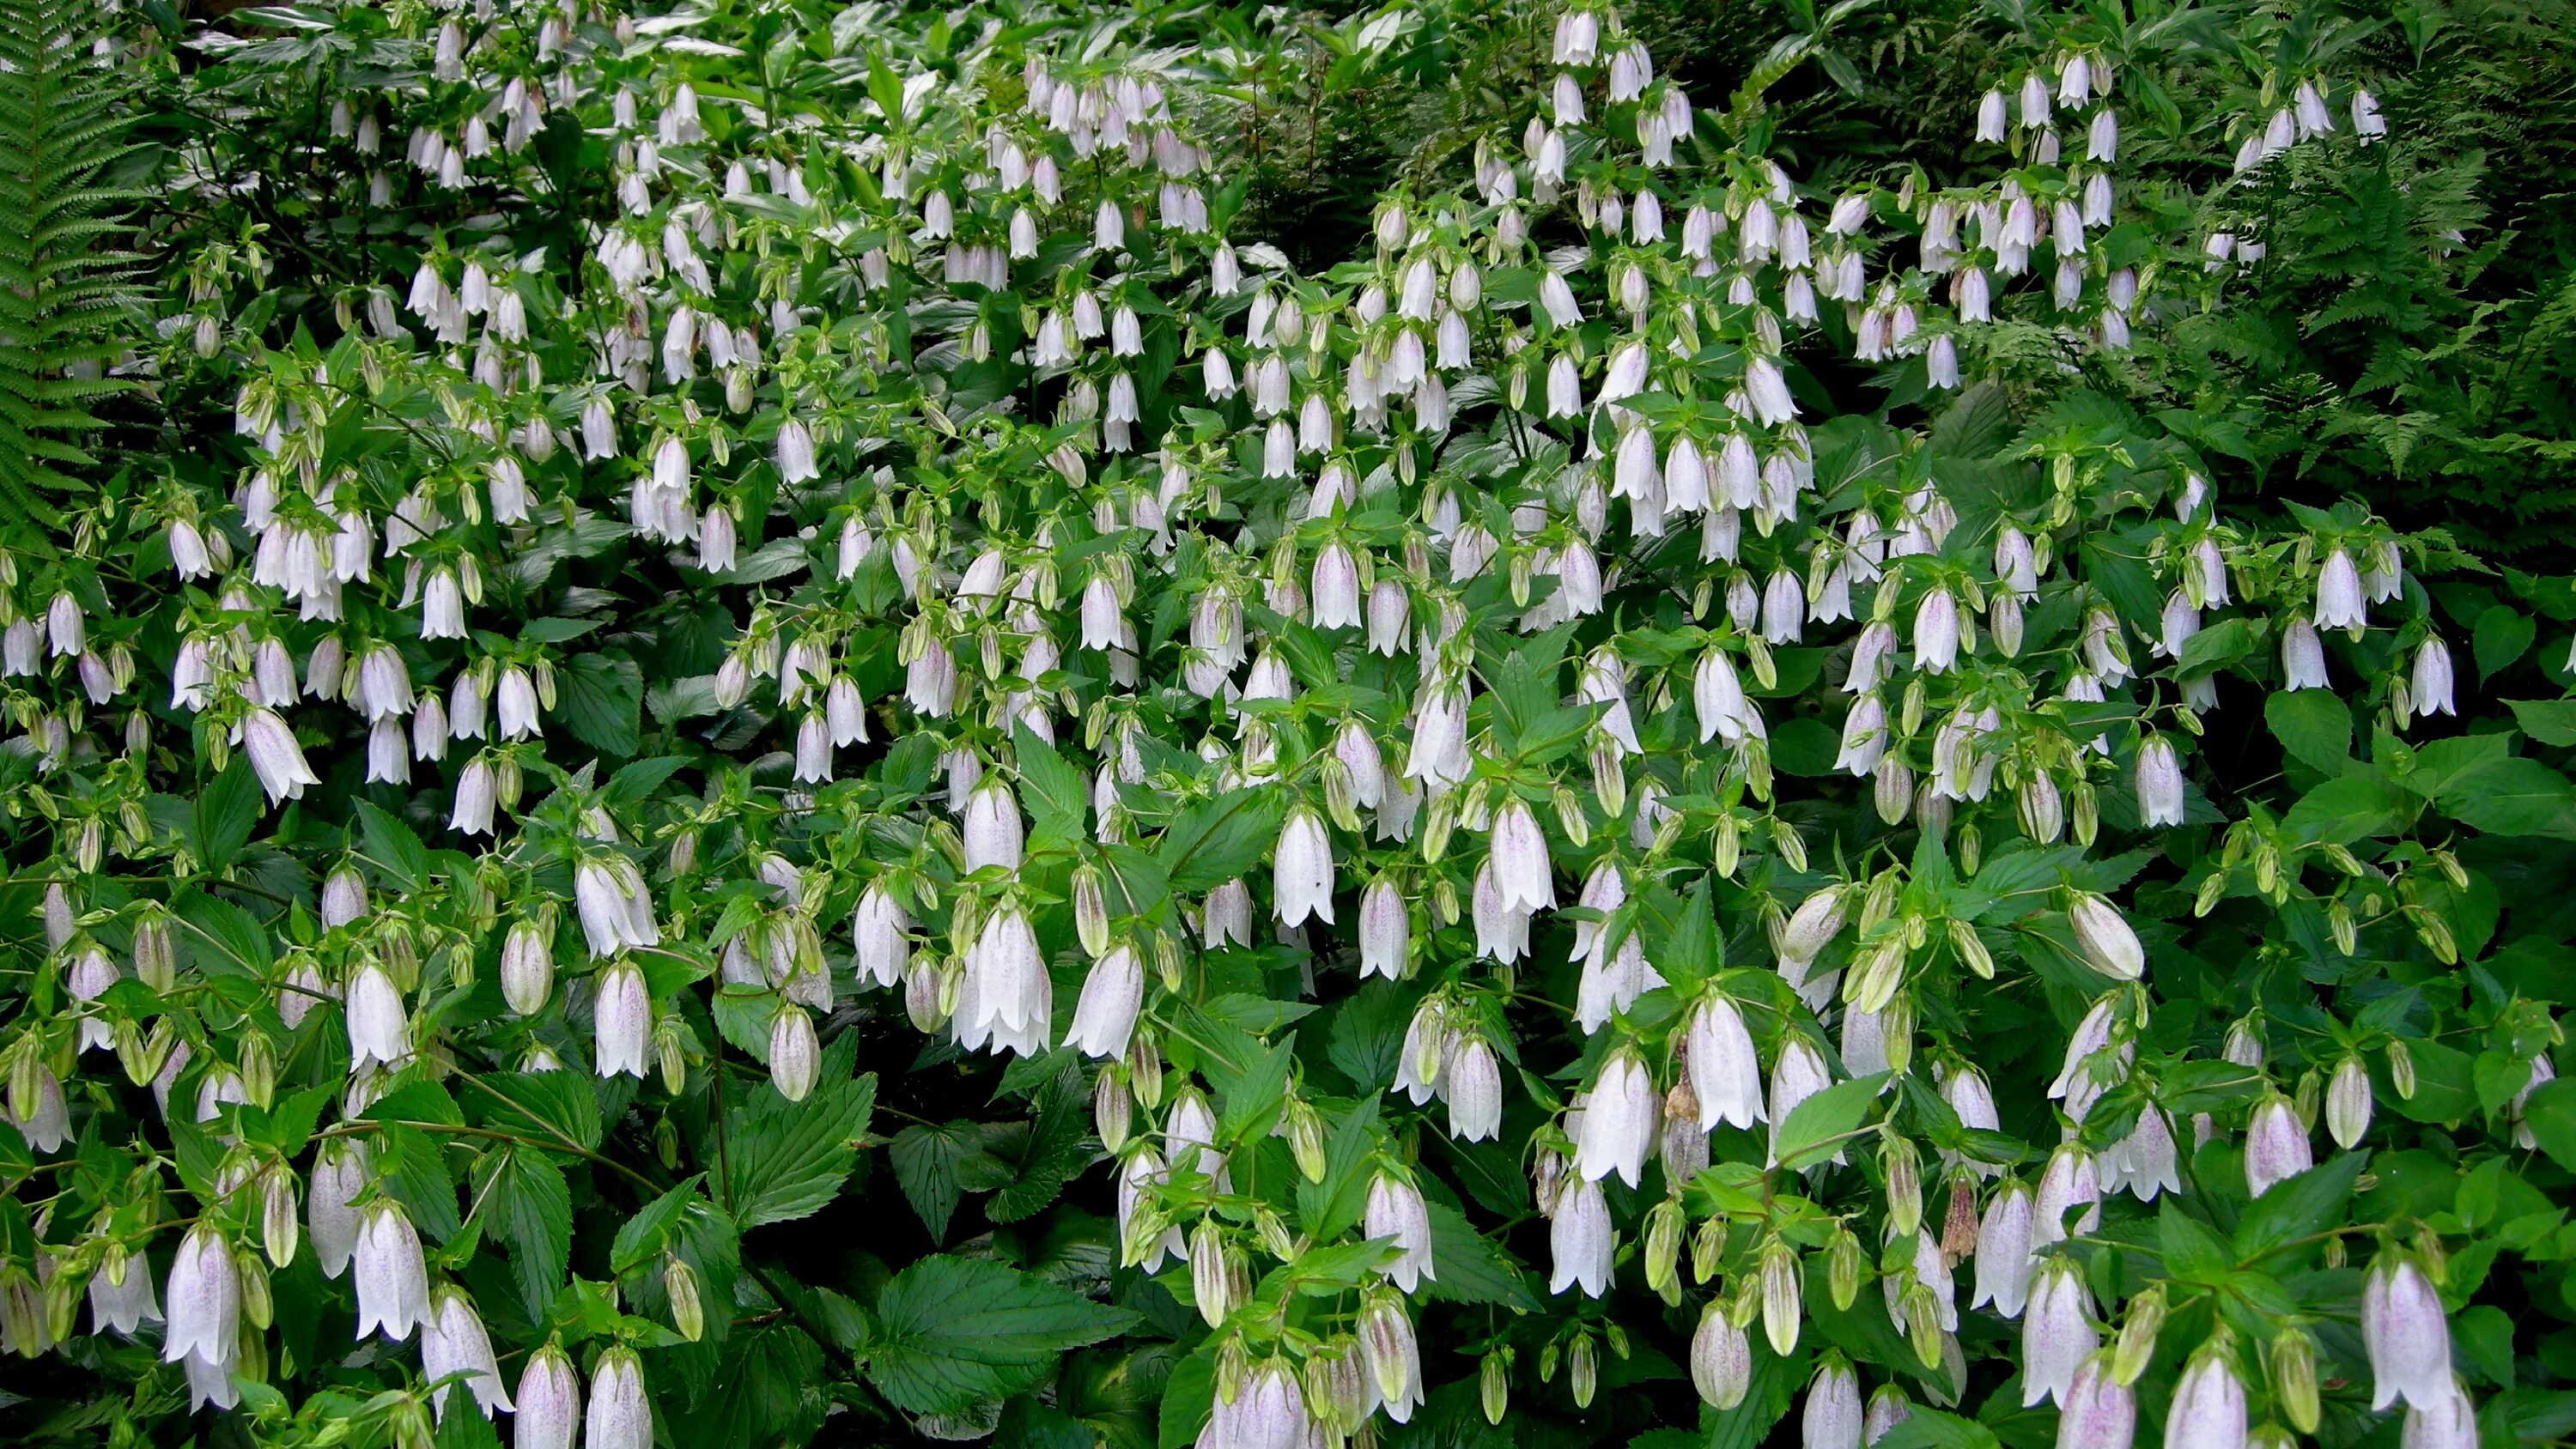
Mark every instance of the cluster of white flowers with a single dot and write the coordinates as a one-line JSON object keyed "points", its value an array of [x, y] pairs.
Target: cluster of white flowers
{"points": [[1569, 377]]}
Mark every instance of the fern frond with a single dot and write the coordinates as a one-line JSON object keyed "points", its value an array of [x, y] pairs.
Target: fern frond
{"points": [[68, 295]]}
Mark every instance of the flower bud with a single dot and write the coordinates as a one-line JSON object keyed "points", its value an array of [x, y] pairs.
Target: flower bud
{"points": [[2294, 1378], [527, 969], [1780, 1306], [2137, 1341], [1090, 909], [1843, 1267], [1903, 1170], [2348, 1103], [2109, 946], [1112, 1111], [280, 1229], [1494, 1384], [1664, 1250], [680, 1282], [1305, 1133], [1721, 1361], [1210, 1285]]}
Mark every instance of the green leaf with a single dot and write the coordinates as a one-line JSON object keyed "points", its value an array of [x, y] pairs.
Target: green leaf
{"points": [[1815, 1127], [2502, 634], [2344, 810], [926, 1159], [953, 1332], [1054, 792], [1188, 1396], [422, 1101], [2550, 721], [526, 1204], [600, 699], [1367, 1034], [2513, 796], [1059, 1147], [555, 1106], [1924, 1428], [390, 846], [1254, 1098], [785, 1160], [1471, 1267], [2192, 1252], [2313, 725], [2297, 1207], [2550, 1113], [2217, 646], [227, 810], [222, 937], [769, 1389], [1215, 841]]}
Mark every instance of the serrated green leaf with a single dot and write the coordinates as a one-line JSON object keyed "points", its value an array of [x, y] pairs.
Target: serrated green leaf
{"points": [[952, 1332], [525, 1203], [785, 1160]]}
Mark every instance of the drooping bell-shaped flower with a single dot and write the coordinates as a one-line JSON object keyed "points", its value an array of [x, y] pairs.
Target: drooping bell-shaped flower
{"points": [[2160, 785], [992, 827], [1385, 927], [1798, 1073], [1395, 1210], [2057, 1335], [127, 1306], [379, 1028], [1618, 1125], [204, 1300], [2208, 1409], [1393, 1356], [275, 756], [392, 1281], [340, 1173], [1580, 1239], [1472, 1081], [2276, 1145], [2450, 1423], [1520, 859], [1726, 1075], [2097, 1411], [2407, 1334], [453, 1341], [2004, 1240], [1832, 1418], [1112, 995], [621, 1020], [2071, 1180], [2430, 681], [1303, 870], [619, 1417], [2340, 604], [549, 1402]]}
